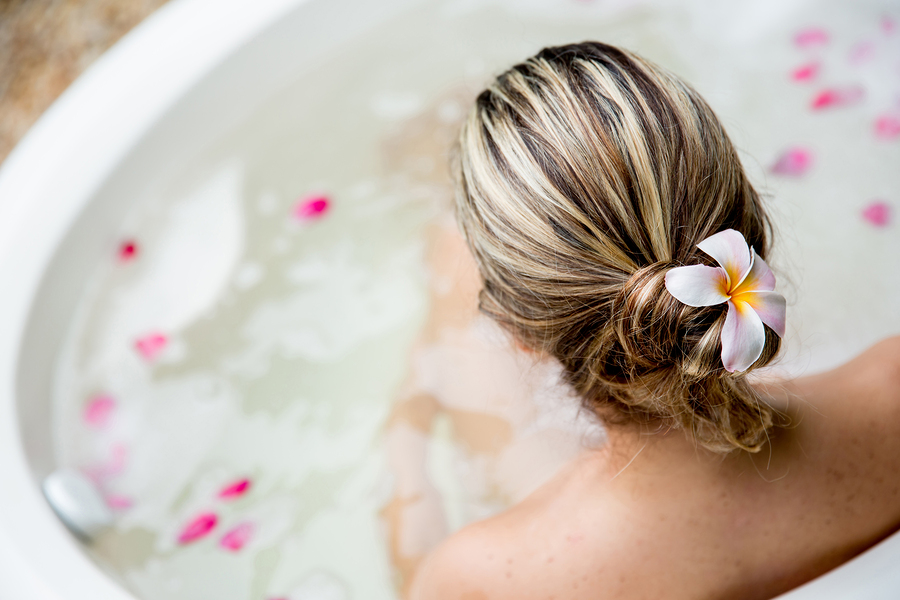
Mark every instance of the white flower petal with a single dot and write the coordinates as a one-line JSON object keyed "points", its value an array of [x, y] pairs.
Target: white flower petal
{"points": [[698, 285], [759, 279], [731, 251], [770, 306], [743, 337]]}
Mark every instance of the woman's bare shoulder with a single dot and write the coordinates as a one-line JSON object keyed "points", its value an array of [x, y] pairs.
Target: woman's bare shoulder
{"points": [[852, 420], [863, 391], [461, 568], [506, 556]]}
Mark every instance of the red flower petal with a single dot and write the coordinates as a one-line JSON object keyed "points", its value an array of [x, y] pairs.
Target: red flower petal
{"points": [[835, 97], [813, 36], [805, 72], [311, 208], [151, 345], [793, 162], [862, 52], [877, 213], [119, 502], [235, 490], [887, 127], [99, 410], [237, 537], [128, 250], [200, 527]]}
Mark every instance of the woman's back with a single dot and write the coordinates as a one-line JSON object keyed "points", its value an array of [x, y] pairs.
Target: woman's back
{"points": [[663, 519]]}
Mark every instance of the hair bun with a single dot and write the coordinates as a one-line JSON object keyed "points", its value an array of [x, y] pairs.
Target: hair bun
{"points": [[647, 325], [673, 353]]}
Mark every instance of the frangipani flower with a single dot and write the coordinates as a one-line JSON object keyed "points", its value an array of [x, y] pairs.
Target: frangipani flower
{"points": [[746, 283]]}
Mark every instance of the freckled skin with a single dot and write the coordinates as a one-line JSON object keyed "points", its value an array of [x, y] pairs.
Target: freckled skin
{"points": [[742, 527]]}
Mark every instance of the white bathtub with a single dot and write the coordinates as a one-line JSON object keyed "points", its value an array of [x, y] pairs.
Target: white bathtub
{"points": [[153, 100]]}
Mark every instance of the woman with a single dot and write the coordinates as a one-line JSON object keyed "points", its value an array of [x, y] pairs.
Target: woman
{"points": [[616, 232]]}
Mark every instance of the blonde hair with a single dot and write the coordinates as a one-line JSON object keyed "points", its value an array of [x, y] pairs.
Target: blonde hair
{"points": [[583, 174]]}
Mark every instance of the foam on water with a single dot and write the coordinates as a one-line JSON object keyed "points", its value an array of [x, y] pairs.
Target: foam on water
{"points": [[331, 355]]}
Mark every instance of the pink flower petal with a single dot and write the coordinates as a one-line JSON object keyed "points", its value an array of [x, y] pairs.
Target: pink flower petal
{"points": [[743, 337], [128, 250], [811, 37], [759, 279], [119, 459], [887, 127], [312, 208], [151, 345], [888, 25], [793, 162], [237, 537], [698, 285], [805, 72], [837, 97], [235, 490], [198, 528], [99, 410], [862, 52], [731, 251], [877, 213], [116, 464], [117, 502]]}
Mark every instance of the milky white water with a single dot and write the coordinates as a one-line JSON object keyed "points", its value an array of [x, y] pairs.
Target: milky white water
{"points": [[330, 368]]}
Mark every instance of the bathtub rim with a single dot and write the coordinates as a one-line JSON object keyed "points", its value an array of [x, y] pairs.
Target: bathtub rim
{"points": [[81, 139]]}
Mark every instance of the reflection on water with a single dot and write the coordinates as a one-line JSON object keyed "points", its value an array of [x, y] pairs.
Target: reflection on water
{"points": [[280, 380]]}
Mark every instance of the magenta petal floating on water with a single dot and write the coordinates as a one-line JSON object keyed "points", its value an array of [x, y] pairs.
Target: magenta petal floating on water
{"points": [[116, 464], [128, 250], [119, 459], [117, 502], [312, 207], [99, 410], [237, 537], [794, 162], [151, 345], [835, 97], [805, 72], [200, 527], [235, 490], [887, 127], [813, 36], [861, 52], [877, 213]]}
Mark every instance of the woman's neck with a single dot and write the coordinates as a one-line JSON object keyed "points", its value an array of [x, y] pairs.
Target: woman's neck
{"points": [[636, 453]]}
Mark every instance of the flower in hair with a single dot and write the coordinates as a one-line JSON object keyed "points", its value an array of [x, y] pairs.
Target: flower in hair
{"points": [[746, 283]]}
